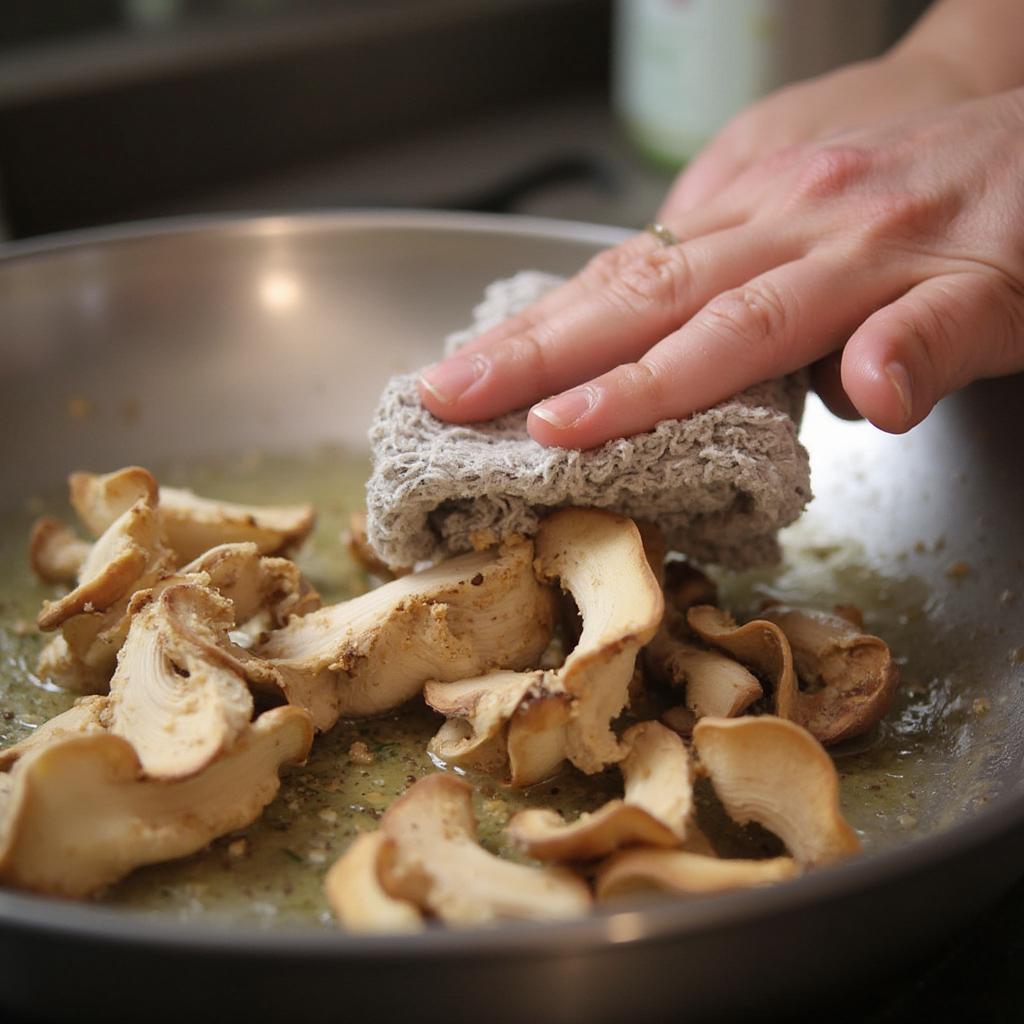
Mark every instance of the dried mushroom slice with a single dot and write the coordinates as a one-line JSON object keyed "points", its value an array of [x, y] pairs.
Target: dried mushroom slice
{"points": [[84, 716], [78, 816], [852, 675], [760, 644], [682, 873], [355, 894], [599, 558], [270, 590], [93, 618], [100, 498], [458, 619], [654, 810], [477, 711], [130, 549], [194, 524], [55, 552], [774, 772], [178, 695], [715, 684], [439, 866]]}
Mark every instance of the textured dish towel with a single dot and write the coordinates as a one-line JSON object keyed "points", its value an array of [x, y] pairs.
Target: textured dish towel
{"points": [[720, 483]]}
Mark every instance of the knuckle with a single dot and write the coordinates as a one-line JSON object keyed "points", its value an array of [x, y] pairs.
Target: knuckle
{"points": [[602, 269], [830, 171], [638, 380], [752, 316], [655, 278], [529, 350]]}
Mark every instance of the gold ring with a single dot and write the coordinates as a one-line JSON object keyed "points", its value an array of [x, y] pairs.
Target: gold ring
{"points": [[661, 233]]}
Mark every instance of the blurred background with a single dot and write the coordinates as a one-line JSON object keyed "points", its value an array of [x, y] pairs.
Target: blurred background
{"points": [[114, 110]]}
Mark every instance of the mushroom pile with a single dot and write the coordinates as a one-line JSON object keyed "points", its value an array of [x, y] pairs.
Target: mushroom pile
{"points": [[206, 662]]}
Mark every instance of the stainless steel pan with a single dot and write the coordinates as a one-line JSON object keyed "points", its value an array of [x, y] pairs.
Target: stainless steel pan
{"points": [[278, 332]]}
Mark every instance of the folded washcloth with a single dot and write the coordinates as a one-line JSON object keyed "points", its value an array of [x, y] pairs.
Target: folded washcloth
{"points": [[719, 483]]}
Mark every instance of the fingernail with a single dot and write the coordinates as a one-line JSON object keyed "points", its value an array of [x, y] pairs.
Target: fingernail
{"points": [[900, 380], [449, 380], [564, 410]]}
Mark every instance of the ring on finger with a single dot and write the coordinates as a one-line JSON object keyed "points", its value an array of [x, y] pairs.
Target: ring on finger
{"points": [[661, 233]]}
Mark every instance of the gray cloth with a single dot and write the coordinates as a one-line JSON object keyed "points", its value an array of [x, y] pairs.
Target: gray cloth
{"points": [[719, 483]]}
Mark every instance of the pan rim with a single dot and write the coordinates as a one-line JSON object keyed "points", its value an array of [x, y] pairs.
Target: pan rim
{"points": [[603, 928]]}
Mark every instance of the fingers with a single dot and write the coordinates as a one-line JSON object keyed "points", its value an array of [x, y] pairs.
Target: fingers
{"points": [[618, 308], [773, 324], [939, 336], [826, 376]]}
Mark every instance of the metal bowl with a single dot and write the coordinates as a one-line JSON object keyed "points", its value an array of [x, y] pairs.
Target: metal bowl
{"points": [[278, 333]]}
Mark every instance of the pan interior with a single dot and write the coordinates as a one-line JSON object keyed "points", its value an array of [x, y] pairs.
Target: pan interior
{"points": [[260, 387]]}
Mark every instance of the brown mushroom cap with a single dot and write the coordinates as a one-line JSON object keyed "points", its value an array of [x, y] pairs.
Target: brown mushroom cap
{"points": [[55, 553], [77, 816], [853, 673], [178, 696], [685, 874], [654, 810], [774, 772], [458, 619], [439, 866], [357, 898]]}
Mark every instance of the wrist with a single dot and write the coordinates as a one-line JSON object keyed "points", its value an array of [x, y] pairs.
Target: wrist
{"points": [[946, 74], [976, 43]]}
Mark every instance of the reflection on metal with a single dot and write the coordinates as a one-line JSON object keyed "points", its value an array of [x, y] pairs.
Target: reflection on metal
{"points": [[279, 291]]}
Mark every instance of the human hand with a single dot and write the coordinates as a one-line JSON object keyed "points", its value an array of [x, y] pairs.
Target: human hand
{"points": [[859, 95], [902, 246]]}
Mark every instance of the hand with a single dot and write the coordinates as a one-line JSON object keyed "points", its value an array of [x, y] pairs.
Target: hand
{"points": [[856, 96], [902, 246]]}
